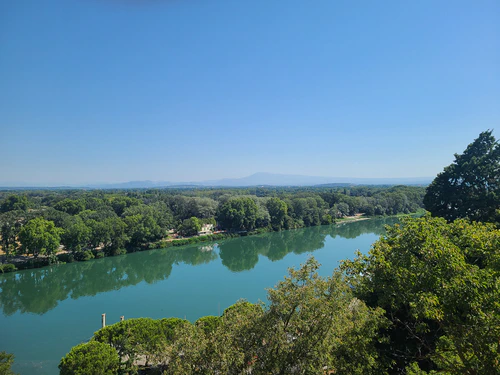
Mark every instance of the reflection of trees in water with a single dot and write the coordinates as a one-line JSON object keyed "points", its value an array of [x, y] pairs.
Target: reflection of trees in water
{"points": [[243, 253], [357, 228], [38, 291]]}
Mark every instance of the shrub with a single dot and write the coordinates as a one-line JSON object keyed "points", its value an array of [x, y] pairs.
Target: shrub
{"points": [[83, 256], [8, 267], [99, 254], [66, 258], [119, 252]]}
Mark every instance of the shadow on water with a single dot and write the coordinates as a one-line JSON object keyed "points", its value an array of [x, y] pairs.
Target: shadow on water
{"points": [[39, 291]]}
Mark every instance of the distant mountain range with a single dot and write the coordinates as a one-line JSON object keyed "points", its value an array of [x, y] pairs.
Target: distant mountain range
{"points": [[257, 179]]}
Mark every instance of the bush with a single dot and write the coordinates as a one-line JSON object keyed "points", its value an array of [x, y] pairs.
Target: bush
{"points": [[119, 252], [92, 358], [83, 256], [66, 258], [8, 267]]}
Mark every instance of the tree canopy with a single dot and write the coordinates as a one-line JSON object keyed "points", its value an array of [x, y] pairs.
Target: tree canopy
{"points": [[92, 358], [439, 285], [98, 223], [40, 236], [470, 186]]}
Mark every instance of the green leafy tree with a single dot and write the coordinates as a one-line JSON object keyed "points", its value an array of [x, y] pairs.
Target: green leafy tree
{"points": [[342, 209], [231, 347], [70, 206], [315, 324], [185, 350], [76, 236], [208, 323], [142, 229], [109, 233], [10, 225], [278, 211], [238, 214], [439, 284], [92, 358], [14, 203], [190, 227], [470, 186], [143, 337], [40, 237], [120, 203]]}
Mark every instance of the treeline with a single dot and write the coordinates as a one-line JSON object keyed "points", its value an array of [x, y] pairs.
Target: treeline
{"points": [[100, 223]]}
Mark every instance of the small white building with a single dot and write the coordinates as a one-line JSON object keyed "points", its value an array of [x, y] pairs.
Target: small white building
{"points": [[206, 229]]}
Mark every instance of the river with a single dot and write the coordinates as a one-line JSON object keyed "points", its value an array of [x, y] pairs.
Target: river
{"points": [[44, 312]]}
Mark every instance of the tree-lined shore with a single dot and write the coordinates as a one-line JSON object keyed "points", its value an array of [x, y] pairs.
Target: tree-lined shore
{"points": [[96, 223]]}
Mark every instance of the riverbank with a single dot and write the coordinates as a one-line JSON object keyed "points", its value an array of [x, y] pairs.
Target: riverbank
{"points": [[351, 219], [23, 262]]}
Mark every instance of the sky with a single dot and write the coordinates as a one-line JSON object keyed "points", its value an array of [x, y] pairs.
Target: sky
{"points": [[95, 91]]}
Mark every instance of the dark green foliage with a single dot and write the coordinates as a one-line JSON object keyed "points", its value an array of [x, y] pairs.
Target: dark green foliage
{"points": [[143, 337], [92, 358], [76, 235], [6, 361], [208, 323], [278, 211], [238, 214], [190, 227], [70, 206], [14, 203], [83, 256], [120, 203], [470, 186], [439, 284], [10, 225]]}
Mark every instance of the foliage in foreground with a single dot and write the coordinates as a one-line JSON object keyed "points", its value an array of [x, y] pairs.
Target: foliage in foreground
{"points": [[92, 358], [6, 361], [311, 324], [439, 284]]}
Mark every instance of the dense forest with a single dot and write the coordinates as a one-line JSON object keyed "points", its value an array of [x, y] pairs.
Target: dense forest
{"points": [[424, 300], [97, 223]]}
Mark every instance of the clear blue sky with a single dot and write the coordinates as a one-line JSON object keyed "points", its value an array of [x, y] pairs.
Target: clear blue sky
{"points": [[118, 90]]}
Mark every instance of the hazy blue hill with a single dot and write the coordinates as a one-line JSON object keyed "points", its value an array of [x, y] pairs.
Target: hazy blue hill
{"points": [[257, 179]]}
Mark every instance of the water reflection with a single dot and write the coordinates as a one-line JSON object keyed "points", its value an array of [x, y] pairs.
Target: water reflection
{"points": [[39, 291]]}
